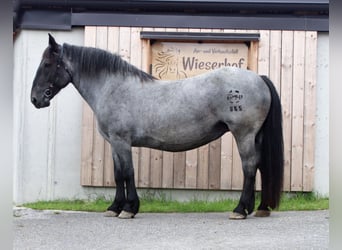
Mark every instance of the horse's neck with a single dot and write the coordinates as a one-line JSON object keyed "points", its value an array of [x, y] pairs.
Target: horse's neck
{"points": [[91, 89], [95, 88]]}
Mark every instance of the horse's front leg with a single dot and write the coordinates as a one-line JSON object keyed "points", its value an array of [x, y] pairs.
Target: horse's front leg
{"points": [[126, 202]]}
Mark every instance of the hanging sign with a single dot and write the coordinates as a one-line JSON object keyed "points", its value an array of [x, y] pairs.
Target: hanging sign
{"points": [[174, 60]]}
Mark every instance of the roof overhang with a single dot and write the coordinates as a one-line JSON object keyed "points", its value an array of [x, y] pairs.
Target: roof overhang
{"points": [[244, 14]]}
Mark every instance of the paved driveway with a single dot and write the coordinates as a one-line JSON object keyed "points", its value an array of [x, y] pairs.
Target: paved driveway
{"points": [[80, 230]]}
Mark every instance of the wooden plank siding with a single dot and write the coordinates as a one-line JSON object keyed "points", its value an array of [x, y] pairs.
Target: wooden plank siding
{"points": [[286, 101], [88, 125], [287, 57]]}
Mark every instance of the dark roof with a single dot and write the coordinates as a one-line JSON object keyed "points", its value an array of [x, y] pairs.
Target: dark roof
{"points": [[242, 14]]}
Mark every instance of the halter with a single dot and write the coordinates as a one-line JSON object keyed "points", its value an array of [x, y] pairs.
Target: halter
{"points": [[60, 61], [60, 57], [49, 91]]}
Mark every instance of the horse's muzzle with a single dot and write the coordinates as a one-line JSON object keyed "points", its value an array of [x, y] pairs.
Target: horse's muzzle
{"points": [[39, 104]]}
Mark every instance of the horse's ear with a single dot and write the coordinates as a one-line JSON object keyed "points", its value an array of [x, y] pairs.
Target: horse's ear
{"points": [[52, 43]]}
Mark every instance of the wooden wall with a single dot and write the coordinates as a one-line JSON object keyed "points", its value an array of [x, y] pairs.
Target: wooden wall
{"points": [[287, 57]]}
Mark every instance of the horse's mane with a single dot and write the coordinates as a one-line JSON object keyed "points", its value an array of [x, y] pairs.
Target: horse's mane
{"points": [[94, 60]]}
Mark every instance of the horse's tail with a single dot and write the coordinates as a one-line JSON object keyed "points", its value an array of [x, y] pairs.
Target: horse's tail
{"points": [[272, 157]]}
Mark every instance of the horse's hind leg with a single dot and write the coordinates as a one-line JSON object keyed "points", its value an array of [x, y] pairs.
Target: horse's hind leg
{"points": [[263, 210], [250, 157]]}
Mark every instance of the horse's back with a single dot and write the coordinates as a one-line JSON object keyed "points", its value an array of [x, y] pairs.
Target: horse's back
{"points": [[228, 94], [236, 78]]}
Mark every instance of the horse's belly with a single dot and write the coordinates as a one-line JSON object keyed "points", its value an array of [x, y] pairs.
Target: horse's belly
{"points": [[176, 141]]}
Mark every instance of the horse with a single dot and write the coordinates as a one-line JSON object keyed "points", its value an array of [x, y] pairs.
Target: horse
{"points": [[133, 108]]}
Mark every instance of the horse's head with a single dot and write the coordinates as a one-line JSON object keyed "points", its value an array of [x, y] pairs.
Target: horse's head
{"points": [[52, 75]]}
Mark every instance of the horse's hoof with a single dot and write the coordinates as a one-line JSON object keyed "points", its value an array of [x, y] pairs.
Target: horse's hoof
{"points": [[126, 215], [237, 216], [110, 213], [262, 213]]}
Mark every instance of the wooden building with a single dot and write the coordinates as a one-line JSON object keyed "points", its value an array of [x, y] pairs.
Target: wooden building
{"points": [[176, 39]]}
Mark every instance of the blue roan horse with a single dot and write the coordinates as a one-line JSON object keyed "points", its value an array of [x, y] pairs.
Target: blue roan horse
{"points": [[135, 109]]}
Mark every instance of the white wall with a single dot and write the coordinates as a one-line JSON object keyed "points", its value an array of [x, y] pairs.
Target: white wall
{"points": [[321, 183], [48, 141]]}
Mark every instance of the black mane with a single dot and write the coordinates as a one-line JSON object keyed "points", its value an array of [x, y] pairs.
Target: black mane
{"points": [[94, 60]]}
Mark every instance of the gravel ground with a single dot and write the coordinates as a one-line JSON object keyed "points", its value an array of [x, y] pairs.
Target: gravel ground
{"points": [[82, 230]]}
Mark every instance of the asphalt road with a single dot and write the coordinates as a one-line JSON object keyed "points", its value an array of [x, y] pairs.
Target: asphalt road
{"points": [[81, 230]]}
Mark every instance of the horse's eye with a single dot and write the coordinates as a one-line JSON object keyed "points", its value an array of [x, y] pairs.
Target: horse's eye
{"points": [[48, 93], [46, 65]]}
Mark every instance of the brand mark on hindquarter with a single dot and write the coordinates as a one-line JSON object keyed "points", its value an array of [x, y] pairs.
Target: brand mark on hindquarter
{"points": [[234, 97]]}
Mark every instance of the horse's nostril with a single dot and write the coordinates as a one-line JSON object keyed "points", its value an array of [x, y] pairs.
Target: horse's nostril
{"points": [[33, 100]]}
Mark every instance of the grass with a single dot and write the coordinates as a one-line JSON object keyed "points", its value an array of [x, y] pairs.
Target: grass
{"points": [[149, 204]]}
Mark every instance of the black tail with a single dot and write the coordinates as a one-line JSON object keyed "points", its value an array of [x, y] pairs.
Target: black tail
{"points": [[272, 159]]}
